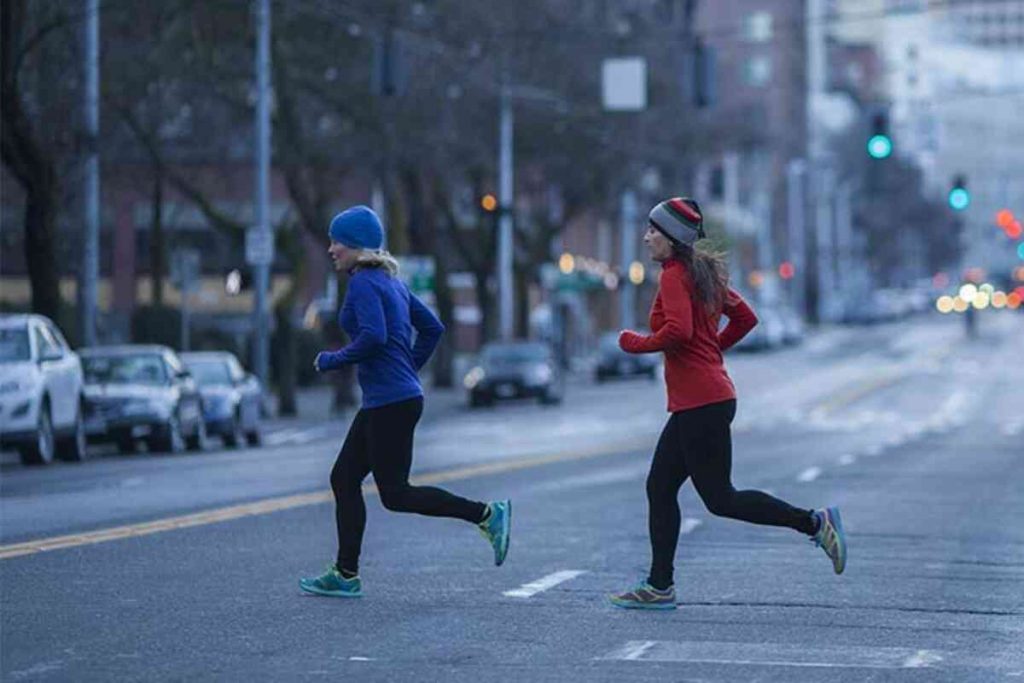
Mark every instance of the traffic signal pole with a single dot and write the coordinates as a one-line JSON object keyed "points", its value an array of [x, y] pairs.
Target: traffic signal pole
{"points": [[262, 190]]}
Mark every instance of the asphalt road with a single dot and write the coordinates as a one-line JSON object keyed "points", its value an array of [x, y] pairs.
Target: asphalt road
{"points": [[916, 435]]}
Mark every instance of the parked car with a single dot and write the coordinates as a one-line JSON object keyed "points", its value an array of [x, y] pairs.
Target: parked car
{"points": [[791, 322], [140, 392], [40, 391], [232, 398], [515, 370], [769, 333], [614, 362]]}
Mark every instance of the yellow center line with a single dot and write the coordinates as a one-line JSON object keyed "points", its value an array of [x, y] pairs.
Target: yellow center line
{"points": [[270, 505], [861, 389]]}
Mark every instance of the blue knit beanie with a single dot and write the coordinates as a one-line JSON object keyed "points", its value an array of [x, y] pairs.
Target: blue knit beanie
{"points": [[357, 228]]}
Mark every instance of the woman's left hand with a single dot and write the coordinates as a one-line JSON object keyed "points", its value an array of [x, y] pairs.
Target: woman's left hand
{"points": [[316, 362], [628, 340]]}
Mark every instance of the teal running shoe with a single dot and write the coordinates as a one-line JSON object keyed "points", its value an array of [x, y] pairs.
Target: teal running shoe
{"points": [[645, 596], [333, 584], [830, 537], [497, 528]]}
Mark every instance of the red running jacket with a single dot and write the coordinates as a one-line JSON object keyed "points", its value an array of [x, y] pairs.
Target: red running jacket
{"points": [[688, 335]]}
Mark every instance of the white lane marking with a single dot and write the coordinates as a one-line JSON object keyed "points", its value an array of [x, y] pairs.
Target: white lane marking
{"points": [[603, 477], [922, 659], [775, 654], [872, 451], [132, 481], [295, 435], [847, 459], [631, 651], [810, 474], [688, 525], [360, 659], [277, 438], [542, 584]]}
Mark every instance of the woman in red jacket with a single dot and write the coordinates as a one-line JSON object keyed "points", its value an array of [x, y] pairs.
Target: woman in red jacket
{"points": [[693, 294]]}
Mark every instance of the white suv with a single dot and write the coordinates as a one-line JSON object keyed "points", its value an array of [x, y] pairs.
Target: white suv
{"points": [[40, 391]]}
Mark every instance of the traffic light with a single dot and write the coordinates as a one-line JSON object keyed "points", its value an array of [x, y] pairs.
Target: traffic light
{"points": [[959, 197], [489, 203], [880, 144]]}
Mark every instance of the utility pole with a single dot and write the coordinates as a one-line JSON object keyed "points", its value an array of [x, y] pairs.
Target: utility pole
{"points": [[263, 235], [88, 280], [822, 178], [731, 192], [844, 236], [763, 216], [796, 226], [826, 245], [627, 290], [506, 203]]}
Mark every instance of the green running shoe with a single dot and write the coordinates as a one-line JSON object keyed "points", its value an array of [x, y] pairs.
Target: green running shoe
{"points": [[333, 584], [645, 596], [831, 538], [497, 528]]}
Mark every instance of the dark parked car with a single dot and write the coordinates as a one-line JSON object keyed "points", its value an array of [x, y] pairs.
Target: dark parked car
{"points": [[232, 398], [515, 370], [140, 392], [614, 362]]}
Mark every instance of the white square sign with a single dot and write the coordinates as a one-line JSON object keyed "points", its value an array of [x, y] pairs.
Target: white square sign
{"points": [[624, 84]]}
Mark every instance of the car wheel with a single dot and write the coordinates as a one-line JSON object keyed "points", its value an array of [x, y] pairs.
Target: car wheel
{"points": [[550, 399], [40, 452], [197, 442], [73, 448], [254, 438], [234, 436], [169, 439]]}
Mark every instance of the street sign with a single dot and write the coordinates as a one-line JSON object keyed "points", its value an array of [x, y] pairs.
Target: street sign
{"points": [[624, 84], [259, 246], [417, 272]]}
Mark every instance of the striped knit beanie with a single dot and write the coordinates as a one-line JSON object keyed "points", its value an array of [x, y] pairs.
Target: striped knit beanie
{"points": [[679, 219]]}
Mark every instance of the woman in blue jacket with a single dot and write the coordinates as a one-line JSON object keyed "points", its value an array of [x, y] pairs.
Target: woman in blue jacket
{"points": [[379, 315]]}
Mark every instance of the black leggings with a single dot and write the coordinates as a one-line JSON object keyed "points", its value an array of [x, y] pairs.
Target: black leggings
{"points": [[380, 441], [696, 443]]}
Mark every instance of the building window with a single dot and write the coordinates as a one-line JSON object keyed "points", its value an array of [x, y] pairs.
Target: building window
{"points": [[757, 71], [757, 27]]}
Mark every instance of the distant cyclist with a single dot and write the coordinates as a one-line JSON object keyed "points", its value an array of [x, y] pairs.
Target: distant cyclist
{"points": [[693, 294], [379, 315]]}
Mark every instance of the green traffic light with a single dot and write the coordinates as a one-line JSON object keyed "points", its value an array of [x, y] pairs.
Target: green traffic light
{"points": [[959, 198], [879, 146], [1020, 250]]}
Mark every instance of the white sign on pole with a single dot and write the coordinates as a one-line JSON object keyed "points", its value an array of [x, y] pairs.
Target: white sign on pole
{"points": [[624, 83], [259, 247]]}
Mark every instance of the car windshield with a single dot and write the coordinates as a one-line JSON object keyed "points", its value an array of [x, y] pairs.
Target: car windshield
{"points": [[14, 345], [516, 353], [141, 369], [209, 372]]}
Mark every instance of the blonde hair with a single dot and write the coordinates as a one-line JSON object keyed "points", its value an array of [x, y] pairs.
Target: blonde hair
{"points": [[377, 258]]}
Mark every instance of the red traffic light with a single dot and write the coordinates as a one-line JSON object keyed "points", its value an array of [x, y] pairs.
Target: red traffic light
{"points": [[786, 270], [489, 202], [1004, 218], [1013, 230]]}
